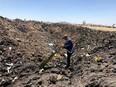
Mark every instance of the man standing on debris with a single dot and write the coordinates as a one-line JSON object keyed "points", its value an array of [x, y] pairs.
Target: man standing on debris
{"points": [[70, 49]]}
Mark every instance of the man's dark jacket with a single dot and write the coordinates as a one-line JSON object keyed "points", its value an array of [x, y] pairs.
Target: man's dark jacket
{"points": [[69, 45]]}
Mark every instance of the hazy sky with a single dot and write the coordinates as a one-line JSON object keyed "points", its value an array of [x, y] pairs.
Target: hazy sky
{"points": [[74, 11]]}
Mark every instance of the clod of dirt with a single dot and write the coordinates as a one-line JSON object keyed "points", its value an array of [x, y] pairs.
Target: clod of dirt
{"points": [[52, 80]]}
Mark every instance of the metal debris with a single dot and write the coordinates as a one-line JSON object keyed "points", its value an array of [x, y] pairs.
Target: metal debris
{"points": [[41, 70], [10, 48], [87, 55], [15, 79], [51, 46], [9, 66]]}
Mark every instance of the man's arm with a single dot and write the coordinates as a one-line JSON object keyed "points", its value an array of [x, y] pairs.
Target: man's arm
{"points": [[67, 45]]}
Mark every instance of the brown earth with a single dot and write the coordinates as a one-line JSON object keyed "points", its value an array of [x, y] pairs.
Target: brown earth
{"points": [[24, 45], [101, 28]]}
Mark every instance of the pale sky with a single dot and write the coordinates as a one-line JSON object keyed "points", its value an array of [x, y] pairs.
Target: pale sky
{"points": [[73, 11]]}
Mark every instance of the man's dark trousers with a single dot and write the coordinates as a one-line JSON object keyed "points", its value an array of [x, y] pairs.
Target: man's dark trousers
{"points": [[68, 58]]}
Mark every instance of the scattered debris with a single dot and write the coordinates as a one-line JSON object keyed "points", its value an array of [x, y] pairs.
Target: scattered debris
{"points": [[65, 55], [24, 45], [41, 70], [52, 80], [51, 46], [9, 66], [87, 55], [15, 79], [98, 58], [5, 82], [10, 48]]}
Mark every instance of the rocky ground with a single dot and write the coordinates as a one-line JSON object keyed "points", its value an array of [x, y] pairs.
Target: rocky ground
{"points": [[25, 44]]}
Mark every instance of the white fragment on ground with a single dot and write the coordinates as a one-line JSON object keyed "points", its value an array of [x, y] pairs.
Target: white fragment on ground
{"points": [[10, 48], [9, 66], [8, 69], [65, 55], [15, 79], [87, 55], [51, 46], [41, 70]]}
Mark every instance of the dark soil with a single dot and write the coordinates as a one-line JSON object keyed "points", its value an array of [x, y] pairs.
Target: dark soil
{"points": [[24, 45]]}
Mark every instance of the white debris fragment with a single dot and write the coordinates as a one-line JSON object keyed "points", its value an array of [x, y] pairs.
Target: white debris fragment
{"points": [[65, 55], [82, 48], [8, 69], [10, 48], [51, 46], [9, 64], [81, 55], [42, 36], [15, 79], [87, 55], [41, 71], [53, 51]]}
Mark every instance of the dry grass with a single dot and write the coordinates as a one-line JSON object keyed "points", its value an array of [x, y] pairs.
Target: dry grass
{"points": [[101, 28]]}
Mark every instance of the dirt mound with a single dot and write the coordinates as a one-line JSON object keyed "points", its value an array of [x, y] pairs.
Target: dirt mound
{"points": [[25, 44]]}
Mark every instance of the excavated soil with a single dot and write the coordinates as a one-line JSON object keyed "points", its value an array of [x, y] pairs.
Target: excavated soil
{"points": [[24, 45]]}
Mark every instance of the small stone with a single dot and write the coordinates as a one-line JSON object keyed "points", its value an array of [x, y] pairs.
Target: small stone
{"points": [[5, 82], [114, 70], [59, 77], [40, 82], [52, 80], [0, 52]]}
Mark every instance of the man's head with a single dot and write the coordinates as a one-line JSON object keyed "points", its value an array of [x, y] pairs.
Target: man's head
{"points": [[65, 37]]}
